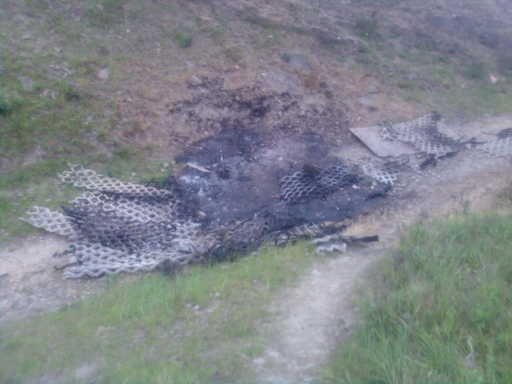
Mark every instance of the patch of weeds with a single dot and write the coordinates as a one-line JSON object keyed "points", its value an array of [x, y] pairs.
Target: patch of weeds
{"points": [[184, 40], [50, 117], [251, 15], [6, 207], [369, 56], [272, 32], [425, 42], [189, 328], [70, 93], [125, 153], [31, 174], [286, 57], [439, 309], [476, 100], [106, 13], [40, 5], [217, 34], [406, 85], [475, 70], [87, 68], [367, 28], [505, 64], [504, 200], [5, 106], [443, 76], [234, 53], [59, 24]]}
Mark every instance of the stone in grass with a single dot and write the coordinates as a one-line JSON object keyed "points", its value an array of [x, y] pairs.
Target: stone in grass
{"points": [[103, 74]]}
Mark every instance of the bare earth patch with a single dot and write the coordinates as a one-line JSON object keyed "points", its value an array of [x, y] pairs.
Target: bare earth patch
{"points": [[30, 285]]}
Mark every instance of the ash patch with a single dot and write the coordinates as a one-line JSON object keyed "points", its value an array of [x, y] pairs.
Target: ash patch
{"points": [[214, 110], [268, 168], [292, 179], [255, 140]]}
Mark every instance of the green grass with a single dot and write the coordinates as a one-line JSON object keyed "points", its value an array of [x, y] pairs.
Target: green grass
{"points": [[367, 28], [53, 122], [475, 100], [6, 106], [190, 328], [184, 40], [439, 312], [50, 116], [106, 13]]}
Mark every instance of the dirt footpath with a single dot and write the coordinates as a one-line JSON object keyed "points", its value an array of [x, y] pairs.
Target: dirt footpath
{"points": [[30, 285], [318, 312]]}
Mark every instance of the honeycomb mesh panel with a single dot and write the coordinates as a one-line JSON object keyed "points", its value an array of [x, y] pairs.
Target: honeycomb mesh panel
{"points": [[120, 227], [500, 147], [51, 221], [304, 185], [423, 134], [81, 177]]}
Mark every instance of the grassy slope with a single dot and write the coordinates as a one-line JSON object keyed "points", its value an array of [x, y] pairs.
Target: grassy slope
{"points": [[440, 311], [54, 109], [197, 326]]}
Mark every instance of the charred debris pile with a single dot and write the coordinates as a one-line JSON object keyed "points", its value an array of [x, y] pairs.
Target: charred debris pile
{"points": [[264, 166]]}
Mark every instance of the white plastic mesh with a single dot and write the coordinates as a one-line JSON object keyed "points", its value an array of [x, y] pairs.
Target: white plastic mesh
{"points": [[499, 147], [120, 227], [81, 177], [51, 221], [304, 185], [423, 134]]}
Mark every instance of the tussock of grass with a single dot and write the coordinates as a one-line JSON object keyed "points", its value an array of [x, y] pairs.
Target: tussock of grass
{"points": [[367, 28], [6, 107], [184, 40], [156, 329], [105, 13], [440, 312]]}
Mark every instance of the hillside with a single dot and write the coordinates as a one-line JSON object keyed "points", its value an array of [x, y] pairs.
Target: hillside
{"points": [[124, 87]]}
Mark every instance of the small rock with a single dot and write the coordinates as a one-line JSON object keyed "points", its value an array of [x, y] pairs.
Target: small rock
{"points": [[103, 51], [259, 361], [27, 83], [297, 61], [279, 81], [368, 100], [194, 81], [85, 371], [50, 93], [103, 74], [412, 76], [373, 90], [26, 36]]}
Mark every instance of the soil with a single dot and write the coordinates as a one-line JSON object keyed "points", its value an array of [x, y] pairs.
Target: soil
{"points": [[28, 282]]}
